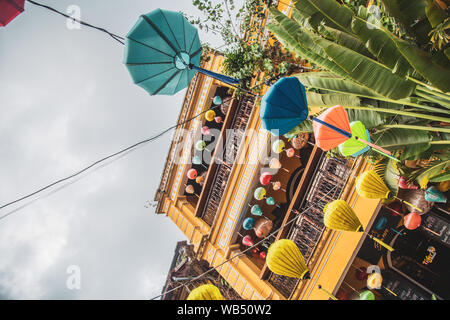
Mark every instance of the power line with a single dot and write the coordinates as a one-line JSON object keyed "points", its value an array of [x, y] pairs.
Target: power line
{"points": [[112, 35], [128, 149], [244, 251]]}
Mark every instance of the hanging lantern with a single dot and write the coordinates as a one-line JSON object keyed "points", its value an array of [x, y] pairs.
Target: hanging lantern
{"points": [[248, 223], [262, 255], [284, 258], [353, 147], [196, 160], [276, 185], [300, 141], [209, 115], [290, 153], [278, 146], [361, 273], [433, 194], [366, 295], [370, 185], [205, 292], [200, 145], [276, 164], [259, 193], [206, 131], [218, 119], [342, 294], [190, 189], [340, 216], [263, 227], [247, 241], [270, 201], [9, 9], [192, 174], [380, 223], [374, 280], [395, 208], [199, 180], [328, 138], [265, 178], [412, 221], [256, 210], [217, 100]]}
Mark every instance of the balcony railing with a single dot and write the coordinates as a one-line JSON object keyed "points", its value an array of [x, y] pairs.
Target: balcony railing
{"points": [[174, 146], [327, 185], [223, 169]]}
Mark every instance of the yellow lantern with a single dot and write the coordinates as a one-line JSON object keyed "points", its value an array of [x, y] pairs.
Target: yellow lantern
{"points": [[370, 185], [340, 216], [209, 115], [205, 292], [374, 280], [284, 258]]}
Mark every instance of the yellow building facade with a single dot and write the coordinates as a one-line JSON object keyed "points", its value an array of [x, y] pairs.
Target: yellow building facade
{"points": [[211, 218], [211, 207]]}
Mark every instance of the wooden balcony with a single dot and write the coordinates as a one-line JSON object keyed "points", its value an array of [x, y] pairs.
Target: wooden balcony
{"points": [[327, 181], [223, 159]]}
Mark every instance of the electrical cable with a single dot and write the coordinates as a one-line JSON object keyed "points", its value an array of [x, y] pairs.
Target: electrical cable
{"points": [[112, 35], [132, 147]]}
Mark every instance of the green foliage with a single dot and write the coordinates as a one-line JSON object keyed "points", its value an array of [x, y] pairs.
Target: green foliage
{"points": [[245, 57]]}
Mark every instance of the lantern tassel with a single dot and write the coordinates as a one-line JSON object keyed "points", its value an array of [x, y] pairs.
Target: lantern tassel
{"points": [[327, 293], [381, 243], [386, 155], [375, 147], [410, 204]]}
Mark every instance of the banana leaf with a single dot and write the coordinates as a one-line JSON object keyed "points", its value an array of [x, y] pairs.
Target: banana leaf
{"points": [[437, 73], [305, 126], [413, 141], [306, 11], [331, 99], [441, 177], [296, 39], [328, 81], [433, 169], [380, 44], [344, 39], [411, 14], [339, 15], [368, 72]]}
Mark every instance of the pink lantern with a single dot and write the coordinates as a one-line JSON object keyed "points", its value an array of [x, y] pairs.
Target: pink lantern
{"points": [[247, 241], [276, 164], [262, 255], [291, 153], [276, 185], [206, 131], [412, 221], [192, 174], [190, 189], [265, 178], [218, 119]]}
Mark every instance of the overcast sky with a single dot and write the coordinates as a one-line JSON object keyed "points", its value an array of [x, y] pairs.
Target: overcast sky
{"points": [[67, 100]]}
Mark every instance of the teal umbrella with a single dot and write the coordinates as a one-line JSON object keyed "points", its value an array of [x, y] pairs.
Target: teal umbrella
{"points": [[162, 53]]}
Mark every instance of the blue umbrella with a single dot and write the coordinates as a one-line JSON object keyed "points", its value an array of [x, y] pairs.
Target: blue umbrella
{"points": [[284, 106], [162, 53]]}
